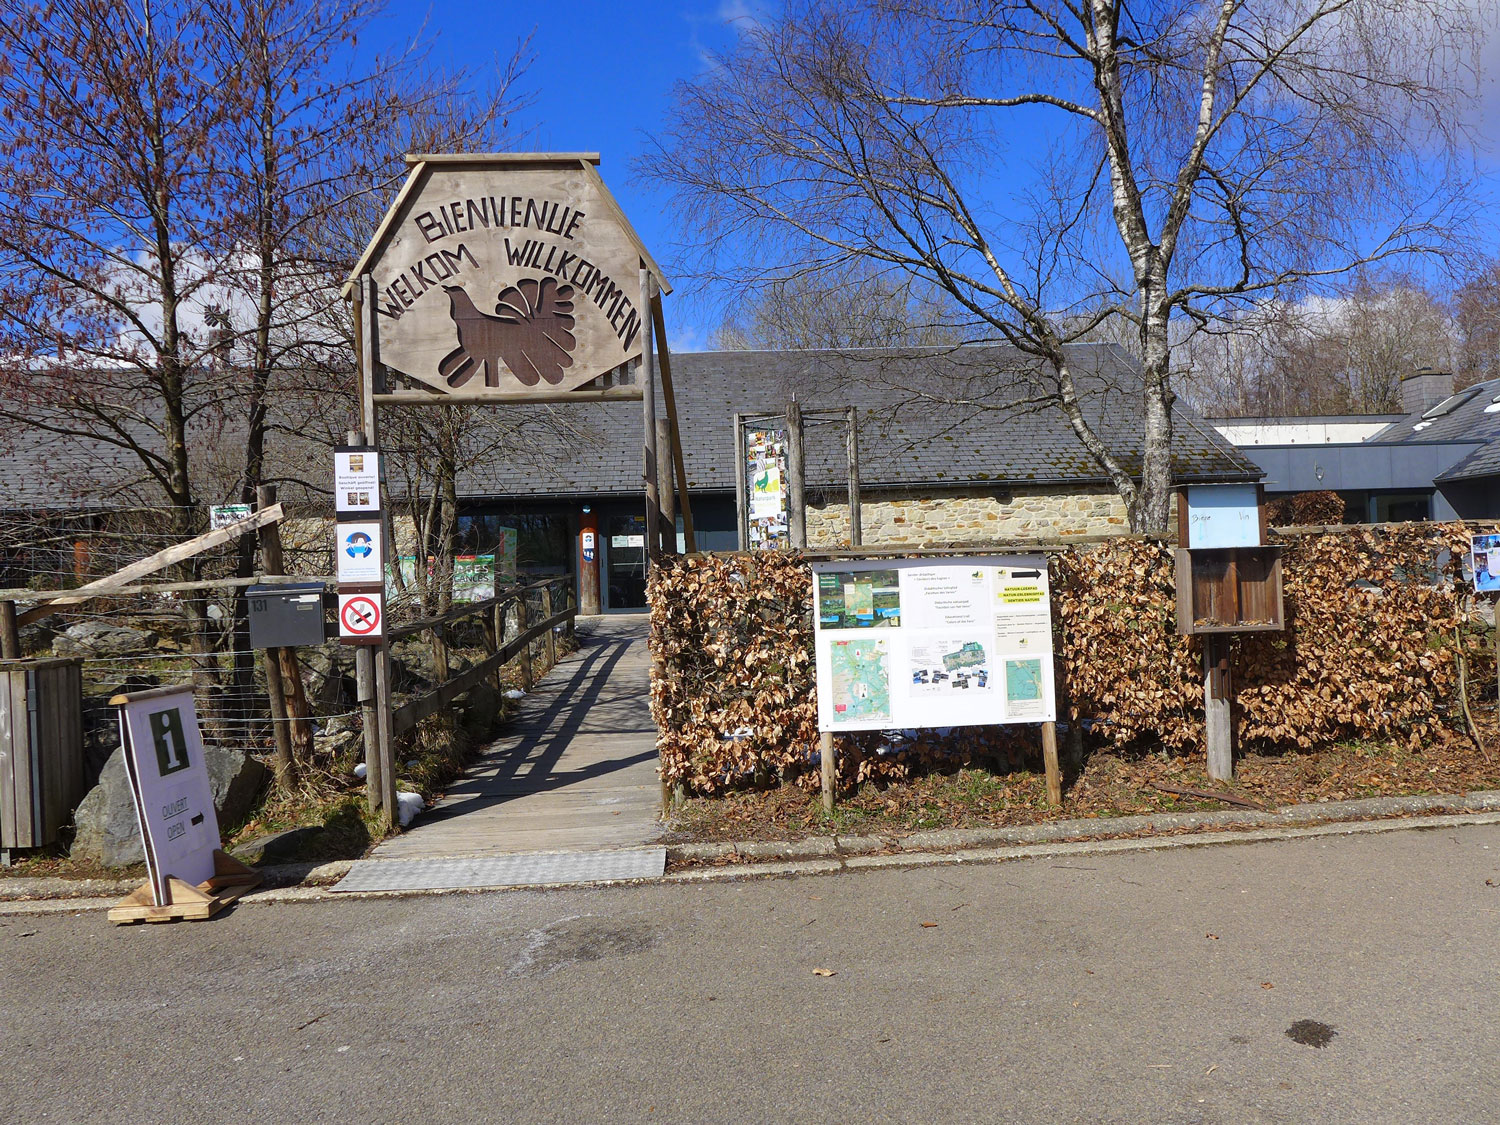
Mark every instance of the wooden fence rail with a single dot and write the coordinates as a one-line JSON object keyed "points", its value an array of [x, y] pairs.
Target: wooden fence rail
{"points": [[412, 712]]}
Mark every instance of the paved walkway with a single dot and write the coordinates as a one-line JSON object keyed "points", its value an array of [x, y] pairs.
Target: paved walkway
{"points": [[575, 769]]}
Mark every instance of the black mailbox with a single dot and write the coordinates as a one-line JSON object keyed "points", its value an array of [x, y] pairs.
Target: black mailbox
{"points": [[286, 616]]}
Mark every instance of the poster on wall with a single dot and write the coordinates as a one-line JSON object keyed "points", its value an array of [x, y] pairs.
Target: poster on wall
{"points": [[920, 643], [765, 481], [1484, 552]]}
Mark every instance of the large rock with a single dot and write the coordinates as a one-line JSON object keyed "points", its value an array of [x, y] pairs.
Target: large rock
{"points": [[95, 638], [107, 830]]}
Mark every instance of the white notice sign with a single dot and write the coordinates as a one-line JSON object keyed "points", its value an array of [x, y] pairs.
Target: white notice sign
{"points": [[358, 549], [356, 480], [169, 780], [908, 643]]}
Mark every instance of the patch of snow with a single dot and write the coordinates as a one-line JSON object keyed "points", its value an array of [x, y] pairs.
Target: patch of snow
{"points": [[408, 805]]}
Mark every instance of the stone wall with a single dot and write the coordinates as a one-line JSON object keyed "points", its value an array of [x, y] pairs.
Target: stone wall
{"points": [[1038, 513]]}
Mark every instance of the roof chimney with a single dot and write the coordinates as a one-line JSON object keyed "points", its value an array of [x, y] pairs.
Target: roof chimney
{"points": [[1425, 387]]}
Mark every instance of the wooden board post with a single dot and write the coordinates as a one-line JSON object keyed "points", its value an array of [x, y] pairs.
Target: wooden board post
{"points": [[1050, 762], [795, 468], [829, 769], [1218, 716]]}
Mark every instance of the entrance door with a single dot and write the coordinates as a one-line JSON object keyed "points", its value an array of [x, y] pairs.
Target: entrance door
{"points": [[625, 562]]}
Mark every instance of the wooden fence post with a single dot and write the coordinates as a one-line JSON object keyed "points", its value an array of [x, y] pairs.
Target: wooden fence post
{"points": [[549, 643], [299, 713], [284, 762], [523, 622], [10, 635]]}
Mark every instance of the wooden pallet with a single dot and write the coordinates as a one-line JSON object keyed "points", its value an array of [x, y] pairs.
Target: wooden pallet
{"points": [[185, 902]]}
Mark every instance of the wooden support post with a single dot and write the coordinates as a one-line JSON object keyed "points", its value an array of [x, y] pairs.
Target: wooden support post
{"points": [[665, 490], [669, 400], [10, 635], [523, 622], [284, 762], [1049, 760], [298, 711], [1218, 716], [830, 769], [856, 526], [439, 642], [389, 818], [648, 413], [549, 642], [796, 516], [495, 630], [741, 500]]}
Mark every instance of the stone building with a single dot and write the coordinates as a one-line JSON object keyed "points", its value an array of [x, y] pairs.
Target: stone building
{"points": [[956, 446]]}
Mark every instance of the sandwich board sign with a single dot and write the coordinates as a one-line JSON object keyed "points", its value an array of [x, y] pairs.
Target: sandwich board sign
{"points": [[501, 274], [913, 643], [174, 801]]}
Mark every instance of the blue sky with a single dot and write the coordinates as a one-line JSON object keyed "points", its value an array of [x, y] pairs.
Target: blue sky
{"points": [[602, 79], [601, 82]]}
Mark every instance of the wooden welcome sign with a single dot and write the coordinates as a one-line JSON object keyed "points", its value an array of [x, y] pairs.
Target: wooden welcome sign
{"points": [[505, 274]]}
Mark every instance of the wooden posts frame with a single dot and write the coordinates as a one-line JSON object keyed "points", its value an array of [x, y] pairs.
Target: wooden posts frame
{"points": [[664, 474]]}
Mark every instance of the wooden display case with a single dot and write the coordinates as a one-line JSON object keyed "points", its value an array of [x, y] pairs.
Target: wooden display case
{"points": [[1228, 590]]}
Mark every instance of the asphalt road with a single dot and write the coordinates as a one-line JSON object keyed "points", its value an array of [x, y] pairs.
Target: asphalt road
{"points": [[1152, 987]]}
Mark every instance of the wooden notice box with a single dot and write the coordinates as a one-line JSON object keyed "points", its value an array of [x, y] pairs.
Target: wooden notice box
{"points": [[1228, 590]]}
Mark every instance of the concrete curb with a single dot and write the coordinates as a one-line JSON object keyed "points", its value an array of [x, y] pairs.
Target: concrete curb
{"points": [[828, 854], [1086, 828]]}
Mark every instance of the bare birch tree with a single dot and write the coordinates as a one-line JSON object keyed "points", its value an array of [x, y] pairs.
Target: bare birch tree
{"points": [[1053, 164]]}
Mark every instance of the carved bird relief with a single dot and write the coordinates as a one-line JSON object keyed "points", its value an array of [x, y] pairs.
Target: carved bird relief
{"points": [[531, 334]]}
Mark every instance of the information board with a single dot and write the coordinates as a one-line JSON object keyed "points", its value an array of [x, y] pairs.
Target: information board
{"points": [[358, 550], [1223, 515], [169, 780], [911, 643], [356, 480]]}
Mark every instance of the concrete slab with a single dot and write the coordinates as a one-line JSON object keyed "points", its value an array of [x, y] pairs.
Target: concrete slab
{"points": [[575, 769], [542, 869]]}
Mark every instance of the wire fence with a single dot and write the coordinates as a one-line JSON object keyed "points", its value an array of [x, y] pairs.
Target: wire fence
{"points": [[188, 623]]}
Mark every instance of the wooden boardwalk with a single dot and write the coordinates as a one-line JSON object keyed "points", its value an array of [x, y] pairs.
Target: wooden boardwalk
{"points": [[574, 769]]}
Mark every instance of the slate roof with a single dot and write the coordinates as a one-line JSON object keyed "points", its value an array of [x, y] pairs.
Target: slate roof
{"points": [[930, 418], [1470, 419], [935, 418]]}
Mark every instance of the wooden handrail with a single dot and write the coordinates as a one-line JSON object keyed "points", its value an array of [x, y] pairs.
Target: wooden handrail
{"points": [[468, 609], [412, 712]]}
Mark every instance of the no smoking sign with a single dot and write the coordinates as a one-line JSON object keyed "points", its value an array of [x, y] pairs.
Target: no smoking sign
{"points": [[361, 617]]}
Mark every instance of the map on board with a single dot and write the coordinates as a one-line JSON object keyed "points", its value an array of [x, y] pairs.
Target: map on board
{"points": [[948, 666], [861, 674], [1023, 681]]}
